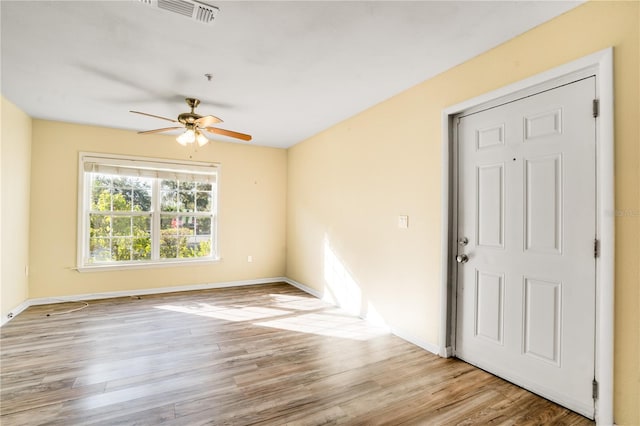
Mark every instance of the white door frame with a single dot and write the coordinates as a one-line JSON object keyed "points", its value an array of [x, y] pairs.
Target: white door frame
{"points": [[600, 63]]}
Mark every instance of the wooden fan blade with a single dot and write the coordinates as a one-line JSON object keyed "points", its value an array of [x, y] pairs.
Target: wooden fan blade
{"points": [[207, 121], [166, 129], [155, 116], [229, 133]]}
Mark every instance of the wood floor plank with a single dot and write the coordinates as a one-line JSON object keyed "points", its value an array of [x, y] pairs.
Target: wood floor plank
{"points": [[255, 355]]}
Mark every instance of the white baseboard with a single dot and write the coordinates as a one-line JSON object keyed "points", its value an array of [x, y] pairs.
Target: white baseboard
{"points": [[306, 289], [156, 290], [14, 312], [139, 292], [434, 349]]}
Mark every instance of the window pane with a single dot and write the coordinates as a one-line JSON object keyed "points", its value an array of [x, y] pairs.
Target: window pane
{"points": [[98, 180], [187, 223], [121, 182], [169, 240], [168, 245], [101, 199], [204, 248], [142, 183], [169, 201], [203, 226], [142, 200], [168, 185], [141, 249], [185, 247], [169, 222], [203, 201], [121, 202], [187, 201], [196, 232], [100, 192], [203, 186], [121, 249], [121, 194], [194, 246], [99, 250], [141, 226], [187, 186], [122, 226], [185, 236], [100, 225]]}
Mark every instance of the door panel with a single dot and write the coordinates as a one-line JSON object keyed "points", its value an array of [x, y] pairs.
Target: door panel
{"points": [[526, 204], [490, 198], [489, 306], [543, 124], [542, 319], [543, 204]]}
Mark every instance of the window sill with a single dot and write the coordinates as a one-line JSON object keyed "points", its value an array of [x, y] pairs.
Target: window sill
{"points": [[146, 265]]}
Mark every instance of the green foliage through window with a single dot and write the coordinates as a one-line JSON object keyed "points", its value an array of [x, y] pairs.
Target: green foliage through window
{"points": [[122, 219]]}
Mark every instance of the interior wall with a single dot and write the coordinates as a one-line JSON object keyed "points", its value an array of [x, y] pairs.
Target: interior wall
{"points": [[15, 159], [348, 185], [252, 194]]}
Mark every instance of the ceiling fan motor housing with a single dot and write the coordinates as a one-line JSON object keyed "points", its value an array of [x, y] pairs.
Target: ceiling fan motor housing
{"points": [[190, 117]]}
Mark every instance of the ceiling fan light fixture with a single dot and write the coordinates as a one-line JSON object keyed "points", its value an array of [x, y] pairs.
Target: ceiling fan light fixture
{"points": [[187, 137], [201, 139]]}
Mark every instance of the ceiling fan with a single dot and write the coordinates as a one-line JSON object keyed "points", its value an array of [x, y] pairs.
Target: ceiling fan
{"points": [[194, 124]]}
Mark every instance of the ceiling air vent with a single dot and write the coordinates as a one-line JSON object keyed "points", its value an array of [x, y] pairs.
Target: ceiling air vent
{"points": [[194, 9]]}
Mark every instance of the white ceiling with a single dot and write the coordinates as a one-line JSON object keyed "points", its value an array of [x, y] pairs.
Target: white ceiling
{"points": [[282, 71]]}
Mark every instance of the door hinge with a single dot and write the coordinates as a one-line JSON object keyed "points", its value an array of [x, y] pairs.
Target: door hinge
{"points": [[596, 108], [594, 389], [596, 248]]}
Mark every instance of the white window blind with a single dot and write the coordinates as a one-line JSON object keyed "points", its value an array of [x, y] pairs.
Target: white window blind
{"points": [[153, 169]]}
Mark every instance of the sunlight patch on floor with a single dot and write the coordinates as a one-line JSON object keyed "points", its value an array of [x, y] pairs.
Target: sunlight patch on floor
{"points": [[298, 303], [245, 313], [327, 324]]}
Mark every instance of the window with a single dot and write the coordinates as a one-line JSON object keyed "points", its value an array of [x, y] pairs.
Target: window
{"points": [[138, 211]]}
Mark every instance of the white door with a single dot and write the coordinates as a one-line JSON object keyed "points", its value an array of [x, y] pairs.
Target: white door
{"points": [[526, 224]]}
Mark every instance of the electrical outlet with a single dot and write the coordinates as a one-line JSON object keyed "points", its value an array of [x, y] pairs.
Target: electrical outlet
{"points": [[249, 259], [403, 221]]}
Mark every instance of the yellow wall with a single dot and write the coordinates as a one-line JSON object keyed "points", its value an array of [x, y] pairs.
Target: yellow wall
{"points": [[15, 157], [251, 211], [347, 186]]}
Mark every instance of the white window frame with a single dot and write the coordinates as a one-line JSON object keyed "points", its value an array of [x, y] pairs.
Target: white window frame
{"points": [[151, 167]]}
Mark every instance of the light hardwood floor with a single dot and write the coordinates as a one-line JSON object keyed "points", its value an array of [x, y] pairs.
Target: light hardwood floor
{"points": [[256, 355]]}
